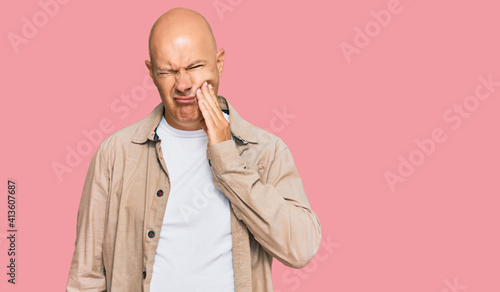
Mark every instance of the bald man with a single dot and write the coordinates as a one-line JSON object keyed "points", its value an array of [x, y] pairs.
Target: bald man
{"points": [[192, 197]]}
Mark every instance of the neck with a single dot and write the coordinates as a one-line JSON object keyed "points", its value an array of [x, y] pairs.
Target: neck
{"points": [[187, 126]]}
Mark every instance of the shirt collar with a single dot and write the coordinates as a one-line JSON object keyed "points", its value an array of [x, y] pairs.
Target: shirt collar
{"points": [[241, 129]]}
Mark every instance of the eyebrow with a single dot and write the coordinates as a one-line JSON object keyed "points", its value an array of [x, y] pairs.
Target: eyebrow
{"points": [[194, 63]]}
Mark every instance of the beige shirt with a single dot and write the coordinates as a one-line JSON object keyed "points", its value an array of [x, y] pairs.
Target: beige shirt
{"points": [[126, 192]]}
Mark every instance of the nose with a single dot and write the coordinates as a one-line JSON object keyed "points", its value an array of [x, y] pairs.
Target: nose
{"points": [[183, 82]]}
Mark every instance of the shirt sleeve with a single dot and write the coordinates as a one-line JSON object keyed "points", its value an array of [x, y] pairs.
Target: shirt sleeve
{"points": [[87, 271], [276, 212]]}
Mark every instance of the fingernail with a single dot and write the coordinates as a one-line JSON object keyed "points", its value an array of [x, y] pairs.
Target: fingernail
{"points": [[205, 83], [198, 90], [210, 86]]}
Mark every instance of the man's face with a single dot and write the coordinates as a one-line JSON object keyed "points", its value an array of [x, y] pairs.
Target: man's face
{"points": [[179, 67]]}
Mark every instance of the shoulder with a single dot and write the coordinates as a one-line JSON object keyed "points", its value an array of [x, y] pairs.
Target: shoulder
{"points": [[122, 136], [125, 139], [262, 138], [248, 133]]}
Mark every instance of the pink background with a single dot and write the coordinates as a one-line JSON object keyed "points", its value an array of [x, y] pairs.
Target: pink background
{"points": [[355, 117]]}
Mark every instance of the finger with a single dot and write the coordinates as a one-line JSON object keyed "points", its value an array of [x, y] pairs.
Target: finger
{"points": [[212, 92], [205, 109], [208, 97], [212, 102]]}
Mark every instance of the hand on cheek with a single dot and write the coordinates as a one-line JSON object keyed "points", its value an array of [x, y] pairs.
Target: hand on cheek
{"points": [[213, 123]]}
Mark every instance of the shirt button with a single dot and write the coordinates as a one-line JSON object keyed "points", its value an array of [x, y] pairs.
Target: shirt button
{"points": [[144, 274], [159, 193], [151, 234]]}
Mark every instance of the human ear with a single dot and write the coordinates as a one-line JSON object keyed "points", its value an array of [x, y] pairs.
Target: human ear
{"points": [[220, 61], [151, 73]]}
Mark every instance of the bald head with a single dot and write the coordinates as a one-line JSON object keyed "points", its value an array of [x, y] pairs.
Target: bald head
{"points": [[183, 56], [178, 24]]}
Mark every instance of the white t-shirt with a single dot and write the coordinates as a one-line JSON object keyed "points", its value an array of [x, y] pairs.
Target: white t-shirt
{"points": [[194, 250]]}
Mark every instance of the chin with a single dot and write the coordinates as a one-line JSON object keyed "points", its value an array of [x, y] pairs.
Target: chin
{"points": [[189, 114]]}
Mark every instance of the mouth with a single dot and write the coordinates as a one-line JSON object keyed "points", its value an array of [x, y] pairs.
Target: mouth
{"points": [[185, 99]]}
